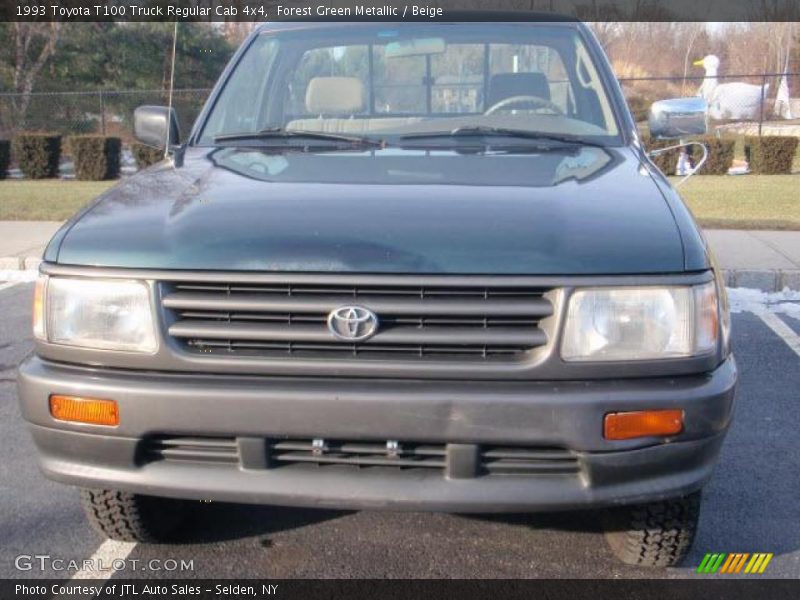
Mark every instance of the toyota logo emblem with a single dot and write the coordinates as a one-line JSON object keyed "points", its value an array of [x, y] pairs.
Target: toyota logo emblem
{"points": [[352, 323]]}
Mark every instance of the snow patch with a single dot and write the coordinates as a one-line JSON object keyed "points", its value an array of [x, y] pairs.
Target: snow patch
{"points": [[756, 301], [18, 276]]}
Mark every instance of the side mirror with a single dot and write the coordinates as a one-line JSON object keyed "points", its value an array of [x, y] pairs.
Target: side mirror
{"points": [[150, 125], [678, 117]]}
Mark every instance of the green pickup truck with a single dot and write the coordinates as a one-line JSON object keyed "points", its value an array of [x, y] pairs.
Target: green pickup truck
{"points": [[404, 266]]}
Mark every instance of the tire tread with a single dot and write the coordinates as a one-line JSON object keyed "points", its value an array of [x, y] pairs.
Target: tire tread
{"points": [[127, 517], [659, 534]]}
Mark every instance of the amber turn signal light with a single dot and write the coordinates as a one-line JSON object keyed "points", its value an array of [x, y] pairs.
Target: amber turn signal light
{"points": [[84, 410], [642, 423]]}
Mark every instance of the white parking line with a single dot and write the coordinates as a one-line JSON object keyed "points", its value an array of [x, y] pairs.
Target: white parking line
{"points": [[783, 331], [107, 555]]}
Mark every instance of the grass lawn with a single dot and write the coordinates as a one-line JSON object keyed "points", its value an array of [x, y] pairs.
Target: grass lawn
{"points": [[46, 200], [744, 202]]}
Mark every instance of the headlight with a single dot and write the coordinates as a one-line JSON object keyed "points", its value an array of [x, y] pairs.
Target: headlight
{"points": [[641, 323], [90, 313]]}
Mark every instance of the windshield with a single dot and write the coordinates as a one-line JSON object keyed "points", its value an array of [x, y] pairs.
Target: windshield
{"points": [[403, 81]]}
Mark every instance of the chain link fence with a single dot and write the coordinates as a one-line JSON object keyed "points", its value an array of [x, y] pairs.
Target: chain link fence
{"points": [[102, 112], [750, 104], [740, 103]]}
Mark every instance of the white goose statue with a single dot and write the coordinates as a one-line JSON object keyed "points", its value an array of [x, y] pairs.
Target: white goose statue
{"points": [[736, 100]]}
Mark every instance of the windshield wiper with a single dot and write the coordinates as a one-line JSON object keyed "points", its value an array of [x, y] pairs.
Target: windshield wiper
{"points": [[287, 134], [483, 131]]}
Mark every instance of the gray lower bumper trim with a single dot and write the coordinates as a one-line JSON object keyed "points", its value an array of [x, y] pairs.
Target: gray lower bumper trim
{"points": [[607, 479], [565, 415]]}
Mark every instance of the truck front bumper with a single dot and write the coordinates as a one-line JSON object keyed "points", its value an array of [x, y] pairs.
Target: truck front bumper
{"points": [[462, 417]]}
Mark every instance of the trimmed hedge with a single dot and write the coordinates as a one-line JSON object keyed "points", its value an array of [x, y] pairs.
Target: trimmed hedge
{"points": [[639, 107], [96, 157], [5, 158], [146, 155], [720, 154], [667, 161], [771, 154], [37, 154]]}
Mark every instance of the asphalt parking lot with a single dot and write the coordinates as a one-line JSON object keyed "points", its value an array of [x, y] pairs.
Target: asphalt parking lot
{"points": [[751, 505]]}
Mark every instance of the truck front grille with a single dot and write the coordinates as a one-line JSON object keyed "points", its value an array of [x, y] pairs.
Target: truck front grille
{"points": [[520, 460], [488, 460], [439, 322], [357, 454], [192, 449], [468, 460]]}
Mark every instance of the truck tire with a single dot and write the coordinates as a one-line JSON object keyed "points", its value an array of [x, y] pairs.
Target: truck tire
{"points": [[658, 534], [130, 517]]}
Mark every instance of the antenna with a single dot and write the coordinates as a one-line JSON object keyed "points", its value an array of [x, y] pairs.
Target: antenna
{"points": [[171, 86]]}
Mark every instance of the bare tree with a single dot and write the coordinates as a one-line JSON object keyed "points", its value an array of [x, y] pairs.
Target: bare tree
{"points": [[607, 33], [236, 31], [693, 30], [34, 44]]}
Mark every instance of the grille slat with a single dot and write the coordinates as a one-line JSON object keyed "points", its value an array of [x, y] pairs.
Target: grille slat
{"points": [[360, 461], [334, 349], [415, 322], [527, 454], [395, 335], [360, 448], [468, 306]]}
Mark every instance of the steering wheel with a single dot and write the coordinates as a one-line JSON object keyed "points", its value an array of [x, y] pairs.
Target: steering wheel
{"points": [[534, 101]]}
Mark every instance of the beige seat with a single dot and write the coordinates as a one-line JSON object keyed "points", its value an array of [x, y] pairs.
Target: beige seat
{"points": [[334, 97]]}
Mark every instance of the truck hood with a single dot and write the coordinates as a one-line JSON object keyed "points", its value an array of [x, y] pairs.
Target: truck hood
{"points": [[570, 211]]}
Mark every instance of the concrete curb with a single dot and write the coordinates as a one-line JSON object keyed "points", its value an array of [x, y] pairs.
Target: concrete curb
{"points": [[766, 280], [20, 263]]}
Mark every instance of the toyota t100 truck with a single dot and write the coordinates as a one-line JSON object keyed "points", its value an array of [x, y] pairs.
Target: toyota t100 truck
{"points": [[406, 266]]}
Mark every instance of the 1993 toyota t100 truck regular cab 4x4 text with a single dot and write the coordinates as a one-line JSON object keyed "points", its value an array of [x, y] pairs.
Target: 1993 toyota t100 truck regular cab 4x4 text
{"points": [[394, 265]]}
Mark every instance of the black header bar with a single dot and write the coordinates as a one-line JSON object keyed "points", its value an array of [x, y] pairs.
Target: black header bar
{"points": [[399, 10]]}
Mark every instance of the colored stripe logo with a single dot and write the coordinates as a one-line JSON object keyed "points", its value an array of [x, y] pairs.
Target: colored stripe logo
{"points": [[740, 562]]}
